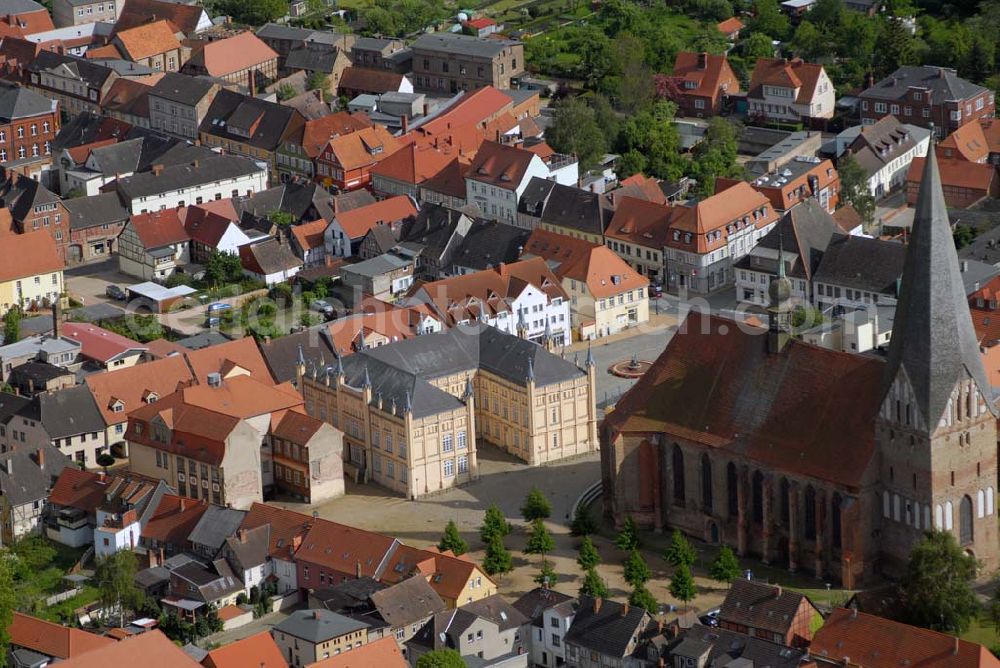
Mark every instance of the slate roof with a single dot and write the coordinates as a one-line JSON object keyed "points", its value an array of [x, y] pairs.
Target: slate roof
{"points": [[873, 265], [66, 412], [100, 209], [407, 602], [22, 194], [93, 74], [489, 243], [216, 525], [313, 57], [938, 346], [606, 631], [496, 609], [736, 650], [22, 480], [20, 102], [943, 83], [181, 88], [806, 231], [348, 595], [318, 626], [886, 140], [535, 602], [231, 114], [461, 45], [217, 168], [249, 547], [268, 257], [281, 354]]}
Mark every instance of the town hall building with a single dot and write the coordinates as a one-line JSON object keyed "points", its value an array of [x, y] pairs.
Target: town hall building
{"points": [[817, 460]]}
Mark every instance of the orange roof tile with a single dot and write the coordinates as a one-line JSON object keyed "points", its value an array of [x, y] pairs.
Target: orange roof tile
{"points": [[287, 528], [174, 520], [149, 650], [730, 25], [294, 426], [30, 23], [956, 173], [604, 273], [159, 228], [29, 254], [849, 636], [357, 222], [708, 79], [370, 80], [131, 385], [412, 164], [258, 651], [106, 52], [316, 133], [447, 574], [639, 186], [968, 143], [710, 221], [344, 549], [150, 39], [500, 165], [233, 54], [640, 222], [309, 235], [244, 353], [793, 73], [51, 639], [384, 653], [98, 343], [346, 332], [367, 146]]}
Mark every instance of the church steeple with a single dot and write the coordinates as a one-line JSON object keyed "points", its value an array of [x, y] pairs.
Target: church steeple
{"points": [[934, 346], [780, 291]]}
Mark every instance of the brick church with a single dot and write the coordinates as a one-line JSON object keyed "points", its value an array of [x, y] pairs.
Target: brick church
{"points": [[821, 461]]}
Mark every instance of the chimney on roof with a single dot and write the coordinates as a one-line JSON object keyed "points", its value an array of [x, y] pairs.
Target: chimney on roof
{"points": [[182, 504], [625, 609], [597, 604], [214, 379], [777, 591], [57, 318], [854, 612], [157, 170], [315, 614], [954, 649], [252, 82], [703, 60], [965, 266], [242, 535], [40, 456], [357, 569], [941, 74]]}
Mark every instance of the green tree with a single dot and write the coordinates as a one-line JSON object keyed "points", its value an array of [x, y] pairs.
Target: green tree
{"points": [[535, 506], [628, 537], [726, 567], [680, 552], [222, 268], [593, 585], [682, 585], [12, 325], [381, 21], [637, 572], [715, 155], [769, 19], [318, 81], [757, 45], [452, 540], [588, 556], [635, 79], [963, 235], [8, 600], [583, 522], [497, 559], [285, 92], [937, 585], [105, 460], [574, 131], [547, 576], [896, 46], [254, 12], [441, 658], [494, 524], [281, 218], [540, 541], [854, 188], [643, 598], [115, 581], [808, 42]]}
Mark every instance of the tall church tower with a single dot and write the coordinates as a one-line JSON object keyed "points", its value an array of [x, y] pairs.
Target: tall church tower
{"points": [[936, 429]]}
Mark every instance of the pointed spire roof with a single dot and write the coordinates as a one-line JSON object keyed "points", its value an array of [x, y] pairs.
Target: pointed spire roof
{"points": [[590, 355], [933, 338], [531, 369], [340, 365], [367, 382], [468, 388], [302, 356]]}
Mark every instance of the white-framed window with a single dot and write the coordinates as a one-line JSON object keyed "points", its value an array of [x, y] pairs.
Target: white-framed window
{"points": [[463, 464], [447, 443], [449, 468]]}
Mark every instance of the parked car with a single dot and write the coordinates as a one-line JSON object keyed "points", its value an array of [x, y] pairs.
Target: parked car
{"points": [[655, 290], [114, 292], [322, 306], [212, 322], [219, 306]]}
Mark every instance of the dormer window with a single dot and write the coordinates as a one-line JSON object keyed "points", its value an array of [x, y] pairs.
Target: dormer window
{"points": [[677, 235]]}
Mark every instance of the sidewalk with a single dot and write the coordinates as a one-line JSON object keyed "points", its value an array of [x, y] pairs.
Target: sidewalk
{"points": [[656, 323]]}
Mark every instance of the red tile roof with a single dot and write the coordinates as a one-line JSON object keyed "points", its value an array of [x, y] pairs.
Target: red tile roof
{"points": [[150, 39], [294, 426], [287, 528], [384, 653], [856, 638], [29, 23], [149, 650], [184, 18], [412, 164], [344, 549], [159, 228], [640, 222], [317, 133], [818, 421], [233, 54], [29, 254], [500, 165], [223, 357], [639, 186], [98, 343], [132, 386], [87, 490], [604, 273], [51, 639], [968, 143], [256, 651], [793, 73], [447, 574], [956, 174], [355, 150], [357, 222], [174, 520], [707, 79], [309, 235], [730, 25], [713, 219], [370, 81]]}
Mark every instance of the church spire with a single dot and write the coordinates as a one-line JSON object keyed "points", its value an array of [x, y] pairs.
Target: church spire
{"points": [[933, 341], [779, 330]]}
